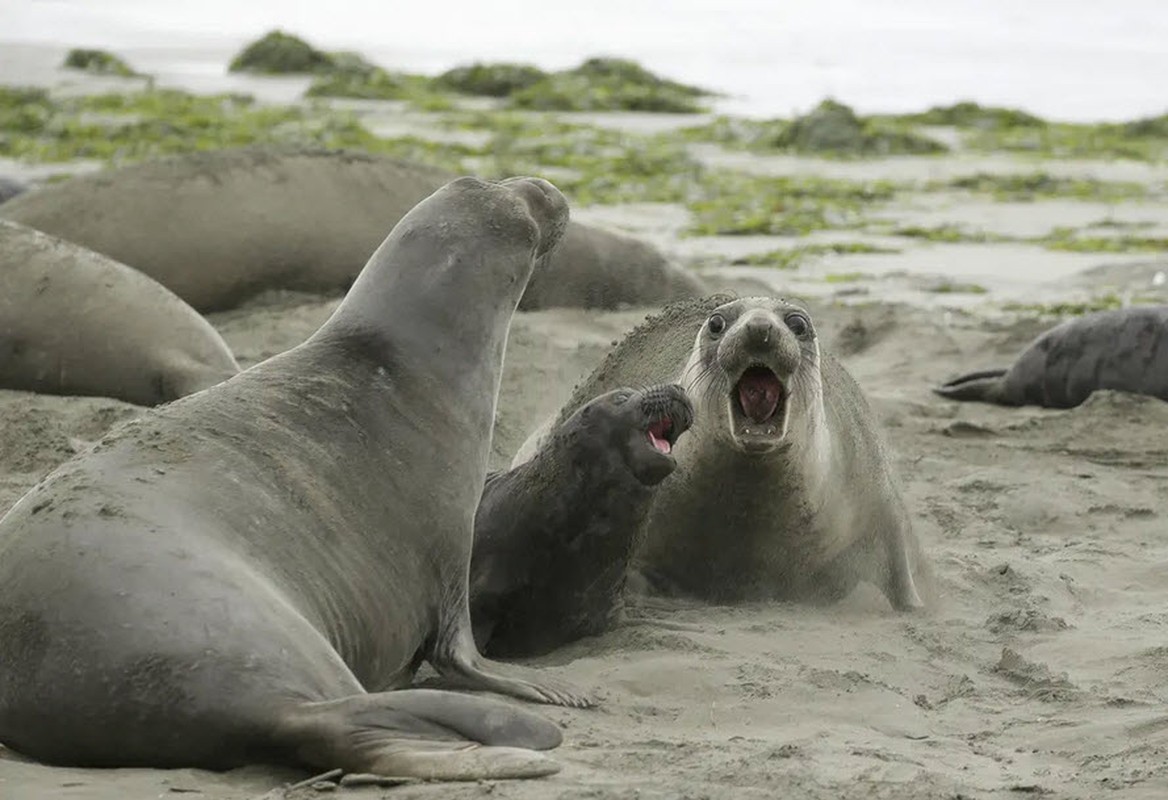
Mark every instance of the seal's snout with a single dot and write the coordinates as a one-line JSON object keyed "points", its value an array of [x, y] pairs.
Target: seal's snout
{"points": [[668, 414], [546, 206]]}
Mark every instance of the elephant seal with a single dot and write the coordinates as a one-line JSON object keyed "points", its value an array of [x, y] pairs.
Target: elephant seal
{"points": [[218, 227], [10, 189], [244, 574], [73, 322], [1125, 349], [553, 536], [784, 490]]}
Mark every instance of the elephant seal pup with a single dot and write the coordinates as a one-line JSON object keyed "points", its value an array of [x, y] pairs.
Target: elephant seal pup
{"points": [[1125, 349], [783, 490], [553, 536], [74, 322], [218, 227], [244, 574]]}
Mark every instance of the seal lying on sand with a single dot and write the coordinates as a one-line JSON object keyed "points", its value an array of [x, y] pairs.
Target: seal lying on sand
{"points": [[218, 227], [77, 323], [242, 575], [783, 490], [1126, 349], [553, 536]]}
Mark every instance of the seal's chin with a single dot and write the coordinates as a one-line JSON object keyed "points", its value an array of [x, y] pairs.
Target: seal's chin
{"points": [[759, 410]]}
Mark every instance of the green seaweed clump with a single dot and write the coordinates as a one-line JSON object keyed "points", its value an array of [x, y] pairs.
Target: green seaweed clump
{"points": [[951, 287], [834, 128], [1041, 184], [490, 80], [793, 257], [972, 115], [609, 84], [949, 234], [1065, 239], [1107, 302], [23, 112], [354, 77], [736, 204], [279, 53], [98, 62]]}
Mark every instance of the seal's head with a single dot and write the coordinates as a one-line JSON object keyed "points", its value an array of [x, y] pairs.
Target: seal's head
{"points": [[755, 361], [639, 427]]}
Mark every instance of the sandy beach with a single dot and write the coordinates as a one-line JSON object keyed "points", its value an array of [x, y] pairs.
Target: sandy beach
{"points": [[1040, 667]]}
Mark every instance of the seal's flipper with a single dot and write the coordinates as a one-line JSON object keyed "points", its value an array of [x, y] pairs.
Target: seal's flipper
{"points": [[458, 659], [423, 734], [985, 386]]}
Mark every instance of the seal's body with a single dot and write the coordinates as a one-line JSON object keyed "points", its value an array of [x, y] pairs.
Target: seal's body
{"points": [[1125, 350], [553, 536], [244, 574], [218, 227], [783, 488], [74, 322]]}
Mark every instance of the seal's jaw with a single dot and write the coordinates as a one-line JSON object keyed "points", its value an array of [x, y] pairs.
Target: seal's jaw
{"points": [[667, 414], [759, 410]]}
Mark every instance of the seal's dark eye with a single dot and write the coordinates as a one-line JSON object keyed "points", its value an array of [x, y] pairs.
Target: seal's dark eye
{"points": [[716, 324], [798, 323]]}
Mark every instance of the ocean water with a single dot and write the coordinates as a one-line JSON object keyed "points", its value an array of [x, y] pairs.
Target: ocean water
{"points": [[1065, 59]]}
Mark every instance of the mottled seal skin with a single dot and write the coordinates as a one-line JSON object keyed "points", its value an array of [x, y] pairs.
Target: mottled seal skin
{"points": [[73, 322], [243, 575], [783, 490], [218, 227], [10, 189], [553, 536], [1125, 350]]}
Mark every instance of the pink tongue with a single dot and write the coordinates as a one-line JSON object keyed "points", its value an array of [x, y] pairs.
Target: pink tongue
{"points": [[759, 391], [661, 444]]}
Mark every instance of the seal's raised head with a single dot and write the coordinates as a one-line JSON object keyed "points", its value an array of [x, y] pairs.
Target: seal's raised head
{"points": [[638, 427], [751, 358]]}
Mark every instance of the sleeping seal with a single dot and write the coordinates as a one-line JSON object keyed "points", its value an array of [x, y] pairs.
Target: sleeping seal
{"points": [[74, 322], [783, 490], [553, 536], [1125, 349], [244, 575]]}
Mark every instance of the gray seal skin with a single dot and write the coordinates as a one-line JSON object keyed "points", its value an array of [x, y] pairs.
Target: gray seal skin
{"points": [[784, 490], [1125, 350], [73, 322], [10, 189], [219, 227], [243, 575], [553, 536]]}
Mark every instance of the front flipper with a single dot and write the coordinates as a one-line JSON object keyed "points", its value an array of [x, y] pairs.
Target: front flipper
{"points": [[984, 386], [457, 659], [418, 733]]}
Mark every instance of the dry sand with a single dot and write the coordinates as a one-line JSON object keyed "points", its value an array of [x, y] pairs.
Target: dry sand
{"points": [[1041, 668]]}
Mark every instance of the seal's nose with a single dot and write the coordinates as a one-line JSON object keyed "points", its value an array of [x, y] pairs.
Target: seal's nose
{"points": [[760, 332], [546, 205]]}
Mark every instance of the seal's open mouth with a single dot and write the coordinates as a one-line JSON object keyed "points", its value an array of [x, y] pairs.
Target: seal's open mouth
{"points": [[662, 434], [758, 409]]}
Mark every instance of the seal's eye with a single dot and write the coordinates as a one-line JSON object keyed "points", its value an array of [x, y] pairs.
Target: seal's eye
{"points": [[620, 398], [716, 324], [798, 323]]}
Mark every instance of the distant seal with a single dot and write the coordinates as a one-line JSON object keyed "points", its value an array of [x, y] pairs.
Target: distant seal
{"points": [[1125, 349], [553, 536], [244, 574], [73, 322], [783, 490], [10, 189], [218, 227]]}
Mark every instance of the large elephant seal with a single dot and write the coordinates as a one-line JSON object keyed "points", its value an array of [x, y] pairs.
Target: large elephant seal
{"points": [[217, 227], [1126, 350], [553, 536], [783, 488], [242, 575], [74, 322]]}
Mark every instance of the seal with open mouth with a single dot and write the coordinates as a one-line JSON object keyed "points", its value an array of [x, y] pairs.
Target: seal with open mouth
{"points": [[553, 536], [784, 490]]}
